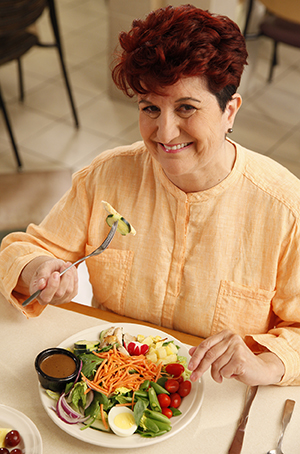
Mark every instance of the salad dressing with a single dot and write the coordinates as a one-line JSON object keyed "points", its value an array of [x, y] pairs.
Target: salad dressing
{"points": [[58, 365]]}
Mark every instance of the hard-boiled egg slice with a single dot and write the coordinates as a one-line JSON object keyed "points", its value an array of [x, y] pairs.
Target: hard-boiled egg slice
{"points": [[121, 421]]}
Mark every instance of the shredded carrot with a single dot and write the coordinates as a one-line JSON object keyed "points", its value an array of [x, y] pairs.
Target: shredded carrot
{"points": [[119, 370], [103, 417]]}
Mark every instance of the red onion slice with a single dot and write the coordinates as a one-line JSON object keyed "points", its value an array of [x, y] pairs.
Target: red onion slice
{"points": [[66, 413]]}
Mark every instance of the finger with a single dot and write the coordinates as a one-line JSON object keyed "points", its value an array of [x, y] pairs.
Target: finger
{"points": [[210, 359], [236, 366], [201, 350], [51, 288], [68, 286], [223, 366], [37, 284], [191, 350]]}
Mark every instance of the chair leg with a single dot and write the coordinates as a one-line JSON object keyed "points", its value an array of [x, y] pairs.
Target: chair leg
{"points": [[55, 27], [21, 83], [248, 16], [273, 62], [2, 106]]}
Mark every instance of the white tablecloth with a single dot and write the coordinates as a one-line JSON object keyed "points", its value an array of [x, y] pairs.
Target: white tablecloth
{"points": [[210, 432]]}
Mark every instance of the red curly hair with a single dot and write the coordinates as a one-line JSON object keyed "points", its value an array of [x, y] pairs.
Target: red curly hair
{"points": [[176, 42]]}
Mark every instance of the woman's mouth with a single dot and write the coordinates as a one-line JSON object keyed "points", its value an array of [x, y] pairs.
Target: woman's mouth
{"points": [[174, 148]]}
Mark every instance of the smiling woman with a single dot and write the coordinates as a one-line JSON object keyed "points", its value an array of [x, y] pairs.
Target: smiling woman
{"points": [[184, 130], [216, 252]]}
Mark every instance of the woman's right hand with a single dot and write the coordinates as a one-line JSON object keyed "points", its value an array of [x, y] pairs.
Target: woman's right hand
{"points": [[43, 273]]}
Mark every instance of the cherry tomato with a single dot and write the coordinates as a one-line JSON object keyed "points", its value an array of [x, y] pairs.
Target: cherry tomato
{"points": [[180, 379], [167, 412], [171, 385], [164, 400], [175, 400], [175, 369], [12, 439], [185, 388], [16, 451], [4, 451]]}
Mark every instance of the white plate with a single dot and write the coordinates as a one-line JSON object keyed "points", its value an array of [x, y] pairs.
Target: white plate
{"points": [[189, 407], [31, 439]]}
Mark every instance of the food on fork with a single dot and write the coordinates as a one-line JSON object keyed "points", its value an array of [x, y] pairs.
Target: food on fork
{"points": [[124, 227]]}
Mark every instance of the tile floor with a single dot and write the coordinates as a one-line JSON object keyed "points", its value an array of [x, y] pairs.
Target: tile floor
{"points": [[268, 122]]}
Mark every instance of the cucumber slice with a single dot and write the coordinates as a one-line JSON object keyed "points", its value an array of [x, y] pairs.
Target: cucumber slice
{"points": [[83, 346], [98, 425], [124, 227]]}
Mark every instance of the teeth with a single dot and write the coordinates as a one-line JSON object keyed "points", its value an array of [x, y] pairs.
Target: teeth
{"points": [[176, 147]]}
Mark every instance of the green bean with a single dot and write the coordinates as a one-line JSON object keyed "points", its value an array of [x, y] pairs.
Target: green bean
{"points": [[142, 394], [152, 434], [153, 400], [156, 415], [151, 425], [145, 385], [161, 425], [159, 389]]}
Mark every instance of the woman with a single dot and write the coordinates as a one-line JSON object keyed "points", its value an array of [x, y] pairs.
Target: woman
{"points": [[216, 250]]}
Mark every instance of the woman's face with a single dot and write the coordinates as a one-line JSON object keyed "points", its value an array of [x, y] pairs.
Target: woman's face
{"points": [[185, 129]]}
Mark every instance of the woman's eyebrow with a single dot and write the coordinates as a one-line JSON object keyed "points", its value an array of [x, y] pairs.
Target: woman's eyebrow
{"points": [[184, 99], [187, 98], [144, 101]]}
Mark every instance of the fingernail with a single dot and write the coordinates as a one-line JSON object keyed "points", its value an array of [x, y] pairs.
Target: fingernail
{"points": [[192, 377]]}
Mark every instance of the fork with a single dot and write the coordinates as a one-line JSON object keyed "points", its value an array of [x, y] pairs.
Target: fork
{"points": [[97, 251], [286, 417]]}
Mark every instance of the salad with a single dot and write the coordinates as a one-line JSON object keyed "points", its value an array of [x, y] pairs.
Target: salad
{"points": [[127, 384]]}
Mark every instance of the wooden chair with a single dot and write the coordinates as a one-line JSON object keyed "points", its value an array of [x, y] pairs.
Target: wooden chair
{"points": [[17, 38], [281, 23]]}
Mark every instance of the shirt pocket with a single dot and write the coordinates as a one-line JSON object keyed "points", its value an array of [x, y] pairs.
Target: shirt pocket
{"points": [[242, 309], [109, 276]]}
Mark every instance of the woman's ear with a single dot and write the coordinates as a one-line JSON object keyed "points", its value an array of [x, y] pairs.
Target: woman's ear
{"points": [[232, 108]]}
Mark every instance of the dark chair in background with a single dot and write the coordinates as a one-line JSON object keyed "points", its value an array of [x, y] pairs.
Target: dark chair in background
{"points": [[17, 37], [281, 23]]}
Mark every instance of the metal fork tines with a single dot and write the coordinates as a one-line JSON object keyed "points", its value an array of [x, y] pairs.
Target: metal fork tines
{"points": [[97, 251]]}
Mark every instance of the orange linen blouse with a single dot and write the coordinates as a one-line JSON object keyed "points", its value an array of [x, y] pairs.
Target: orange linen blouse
{"points": [[227, 257]]}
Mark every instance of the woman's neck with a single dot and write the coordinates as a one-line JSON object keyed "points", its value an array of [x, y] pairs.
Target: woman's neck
{"points": [[210, 176]]}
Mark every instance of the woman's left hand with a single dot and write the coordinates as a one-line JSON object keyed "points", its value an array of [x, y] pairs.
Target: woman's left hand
{"points": [[229, 357]]}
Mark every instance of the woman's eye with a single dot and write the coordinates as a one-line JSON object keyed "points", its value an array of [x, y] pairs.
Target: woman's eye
{"points": [[152, 111], [186, 109]]}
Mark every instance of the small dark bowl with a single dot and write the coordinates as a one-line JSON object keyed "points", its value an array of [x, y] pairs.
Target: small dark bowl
{"points": [[54, 383]]}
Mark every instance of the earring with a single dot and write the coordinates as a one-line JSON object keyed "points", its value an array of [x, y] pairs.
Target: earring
{"points": [[229, 130]]}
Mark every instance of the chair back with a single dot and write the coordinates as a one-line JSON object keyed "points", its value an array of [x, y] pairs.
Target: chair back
{"points": [[17, 15], [286, 9]]}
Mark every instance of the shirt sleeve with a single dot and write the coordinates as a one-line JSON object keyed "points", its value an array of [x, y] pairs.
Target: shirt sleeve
{"points": [[283, 338], [62, 234]]}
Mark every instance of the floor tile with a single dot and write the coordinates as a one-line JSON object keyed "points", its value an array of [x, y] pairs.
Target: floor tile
{"points": [[25, 122], [52, 99], [108, 117], [89, 157], [31, 161], [253, 130], [278, 102], [64, 143], [289, 147], [92, 76]]}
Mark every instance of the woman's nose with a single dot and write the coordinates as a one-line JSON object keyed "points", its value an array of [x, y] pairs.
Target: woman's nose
{"points": [[168, 128]]}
